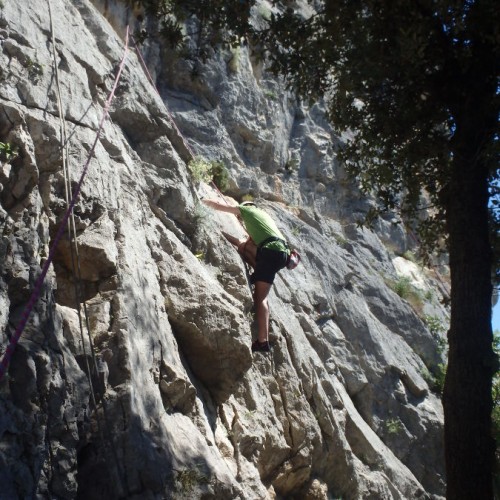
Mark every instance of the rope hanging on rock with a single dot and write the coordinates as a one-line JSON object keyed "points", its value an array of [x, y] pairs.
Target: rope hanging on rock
{"points": [[151, 81], [105, 437], [39, 282], [75, 257]]}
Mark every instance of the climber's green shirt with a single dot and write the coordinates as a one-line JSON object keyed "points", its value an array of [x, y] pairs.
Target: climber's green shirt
{"points": [[261, 226]]}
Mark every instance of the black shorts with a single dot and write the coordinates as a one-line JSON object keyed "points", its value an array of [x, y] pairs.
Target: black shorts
{"points": [[268, 263]]}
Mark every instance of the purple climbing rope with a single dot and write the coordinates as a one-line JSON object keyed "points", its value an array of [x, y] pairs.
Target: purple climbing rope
{"points": [[39, 282]]}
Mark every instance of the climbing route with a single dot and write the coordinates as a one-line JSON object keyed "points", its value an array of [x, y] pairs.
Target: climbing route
{"points": [[62, 227]]}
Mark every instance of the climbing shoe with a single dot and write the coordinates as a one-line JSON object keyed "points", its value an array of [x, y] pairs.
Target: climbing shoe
{"points": [[261, 346]]}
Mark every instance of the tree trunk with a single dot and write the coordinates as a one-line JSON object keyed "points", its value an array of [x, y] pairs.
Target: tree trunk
{"points": [[467, 400]]}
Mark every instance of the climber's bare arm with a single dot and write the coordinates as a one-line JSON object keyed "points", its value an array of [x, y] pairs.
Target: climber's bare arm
{"points": [[222, 207]]}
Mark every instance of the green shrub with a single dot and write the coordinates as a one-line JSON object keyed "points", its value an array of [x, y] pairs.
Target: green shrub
{"points": [[200, 169], [341, 241], [495, 414], [409, 255], [220, 175], [393, 426], [7, 151], [270, 94], [440, 376], [292, 165], [188, 479], [403, 287], [435, 380], [495, 392], [434, 324], [35, 69], [209, 171]]}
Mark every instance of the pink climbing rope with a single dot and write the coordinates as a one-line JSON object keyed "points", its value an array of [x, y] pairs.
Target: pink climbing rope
{"points": [[144, 66], [151, 81], [39, 282]]}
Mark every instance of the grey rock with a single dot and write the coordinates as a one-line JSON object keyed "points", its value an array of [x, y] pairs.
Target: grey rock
{"points": [[153, 391]]}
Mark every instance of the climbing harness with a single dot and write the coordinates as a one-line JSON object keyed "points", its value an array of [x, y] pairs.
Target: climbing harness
{"points": [[293, 259]]}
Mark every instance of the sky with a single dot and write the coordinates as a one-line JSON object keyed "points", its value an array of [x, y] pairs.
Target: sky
{"points": [[496, 317]]}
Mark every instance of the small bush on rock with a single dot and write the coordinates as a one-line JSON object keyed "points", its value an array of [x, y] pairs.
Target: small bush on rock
{"points": [[209, 171]]}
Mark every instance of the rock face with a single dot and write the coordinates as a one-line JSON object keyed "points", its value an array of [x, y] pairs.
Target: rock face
{"points": [[150, 389]]}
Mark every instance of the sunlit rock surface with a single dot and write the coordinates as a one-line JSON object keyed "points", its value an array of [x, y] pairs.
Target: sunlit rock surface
{"points": [[344, 406]]}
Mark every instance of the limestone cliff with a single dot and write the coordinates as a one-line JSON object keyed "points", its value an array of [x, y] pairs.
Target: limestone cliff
{"points": [[179, 407]]}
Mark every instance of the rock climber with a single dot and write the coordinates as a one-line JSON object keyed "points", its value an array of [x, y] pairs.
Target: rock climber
{"points": [[265, 250]]}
